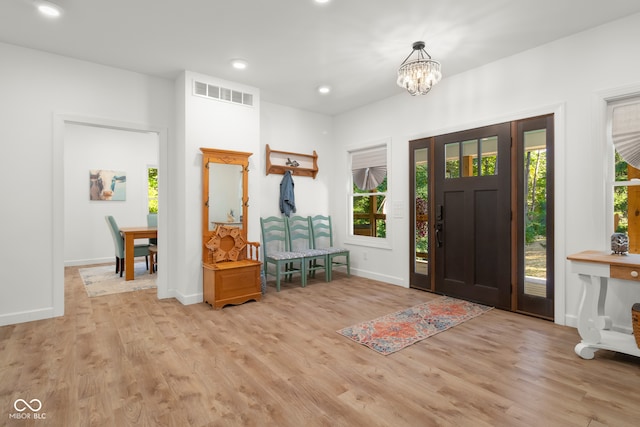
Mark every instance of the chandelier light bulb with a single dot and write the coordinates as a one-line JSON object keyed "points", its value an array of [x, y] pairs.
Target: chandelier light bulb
{"points": [[420, 74]]}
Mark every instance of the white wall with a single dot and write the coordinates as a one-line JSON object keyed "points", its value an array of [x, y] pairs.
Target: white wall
{"points": [[213, 124], [37, 107], [297, 131], [36, 89], [566, 77], [87, 239]]}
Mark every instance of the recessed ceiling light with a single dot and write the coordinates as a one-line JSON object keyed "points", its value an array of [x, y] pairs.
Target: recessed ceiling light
{"points": [[322, 1], [239, 64], [47, 8], [324, 89]]}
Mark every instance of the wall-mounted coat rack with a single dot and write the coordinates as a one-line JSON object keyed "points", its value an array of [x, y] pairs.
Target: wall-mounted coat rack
{"points": [[278, 162]]}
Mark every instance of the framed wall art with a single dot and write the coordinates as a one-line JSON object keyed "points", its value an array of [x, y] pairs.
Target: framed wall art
{"points": [[107, 185]]}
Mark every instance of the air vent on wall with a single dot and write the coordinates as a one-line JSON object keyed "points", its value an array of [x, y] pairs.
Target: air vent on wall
{"points": [[222, 94]]}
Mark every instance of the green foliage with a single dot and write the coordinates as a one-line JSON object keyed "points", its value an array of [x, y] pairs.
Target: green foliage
{"points": [[620, 195], [422, 179], [381, 228], [536, 192], [489, 165], [452, 169], [537, 227], [363, 206], [153, 190], [422, 195]]}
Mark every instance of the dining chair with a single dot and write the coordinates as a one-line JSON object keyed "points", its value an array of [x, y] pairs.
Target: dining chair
{"points": [[275, 250], [152, 221], [153, 258], [301, 240], [118, 243], [323, 239]]}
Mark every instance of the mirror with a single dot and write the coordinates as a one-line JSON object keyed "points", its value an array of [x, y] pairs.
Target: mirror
{"points": [[225, 195], [225, 199]]}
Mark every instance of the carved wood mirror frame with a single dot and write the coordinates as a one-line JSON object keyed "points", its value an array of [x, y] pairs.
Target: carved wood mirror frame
{"points": [[212, 155]]}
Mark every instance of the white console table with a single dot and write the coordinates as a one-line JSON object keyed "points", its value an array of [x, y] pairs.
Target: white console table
{"points": [[594, 269]]}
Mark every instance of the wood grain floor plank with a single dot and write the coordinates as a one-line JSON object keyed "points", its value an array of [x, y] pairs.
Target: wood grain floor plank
{"points": [[131, 359]]}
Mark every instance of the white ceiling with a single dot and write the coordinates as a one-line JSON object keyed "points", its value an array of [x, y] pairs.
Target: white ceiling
{"points": [[294, 46]]}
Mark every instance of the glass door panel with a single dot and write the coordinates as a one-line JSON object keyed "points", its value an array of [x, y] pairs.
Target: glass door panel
{"points": [[470, 158], [535, 208], [535, 217], [489, 156], [452, 160], [420, 192]]}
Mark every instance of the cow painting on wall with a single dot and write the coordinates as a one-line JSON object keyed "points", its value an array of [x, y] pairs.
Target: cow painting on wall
{"points": [[107, 185]]}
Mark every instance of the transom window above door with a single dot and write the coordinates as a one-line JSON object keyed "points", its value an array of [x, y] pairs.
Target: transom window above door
{"points": [[476, 157]]}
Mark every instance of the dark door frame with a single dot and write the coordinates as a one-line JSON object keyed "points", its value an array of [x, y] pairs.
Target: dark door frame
{"points": [[520, 302]]}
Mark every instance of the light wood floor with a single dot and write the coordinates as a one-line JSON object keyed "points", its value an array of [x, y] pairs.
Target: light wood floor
{"points": [[130, 359]]}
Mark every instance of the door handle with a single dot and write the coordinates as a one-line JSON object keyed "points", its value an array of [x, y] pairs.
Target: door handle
{"points": [[439, 231]]}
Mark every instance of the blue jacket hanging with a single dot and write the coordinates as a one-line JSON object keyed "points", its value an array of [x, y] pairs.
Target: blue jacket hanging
{"points": [[287, 198]]}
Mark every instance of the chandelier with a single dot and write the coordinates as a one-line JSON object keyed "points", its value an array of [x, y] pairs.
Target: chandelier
{"points": [[418, 75]]}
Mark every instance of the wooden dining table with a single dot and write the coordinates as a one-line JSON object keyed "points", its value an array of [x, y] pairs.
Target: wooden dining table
{"points": [[130, 234]]}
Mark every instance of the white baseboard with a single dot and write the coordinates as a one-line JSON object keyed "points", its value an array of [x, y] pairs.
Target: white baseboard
{"points": [[27, 316], [78, 262], [393, 280], [571, 320], [188, 299]]}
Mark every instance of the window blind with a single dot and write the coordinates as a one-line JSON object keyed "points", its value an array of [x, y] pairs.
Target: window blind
{"points": [[369, 167], [625, 132]]}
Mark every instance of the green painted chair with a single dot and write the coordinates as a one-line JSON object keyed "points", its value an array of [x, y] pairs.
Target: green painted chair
{"points": [[301, 241], [152, 221], [118, 243], [275, 250], [323, 239]]}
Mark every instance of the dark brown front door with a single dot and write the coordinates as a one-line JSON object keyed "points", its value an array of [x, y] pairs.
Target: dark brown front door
{"points": [[472, 215]]}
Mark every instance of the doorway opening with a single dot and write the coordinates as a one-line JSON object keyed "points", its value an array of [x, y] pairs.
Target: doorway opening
{"points": [[60, 124]]}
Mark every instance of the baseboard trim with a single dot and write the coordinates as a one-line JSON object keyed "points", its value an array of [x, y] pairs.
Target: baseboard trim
{"points": [[393, 280], [79, 262], [188, 299], [27, 316]]}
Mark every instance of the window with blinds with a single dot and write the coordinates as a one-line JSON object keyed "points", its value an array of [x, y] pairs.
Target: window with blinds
{"points": [[369, 191], [624, 122]]}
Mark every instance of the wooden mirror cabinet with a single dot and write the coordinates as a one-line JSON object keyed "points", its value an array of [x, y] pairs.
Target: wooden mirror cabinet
{"points": [[230, 263]]}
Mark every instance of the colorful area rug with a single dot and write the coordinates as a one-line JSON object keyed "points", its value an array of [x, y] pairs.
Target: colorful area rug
{"points": [[103, 280], [396, 331]]}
